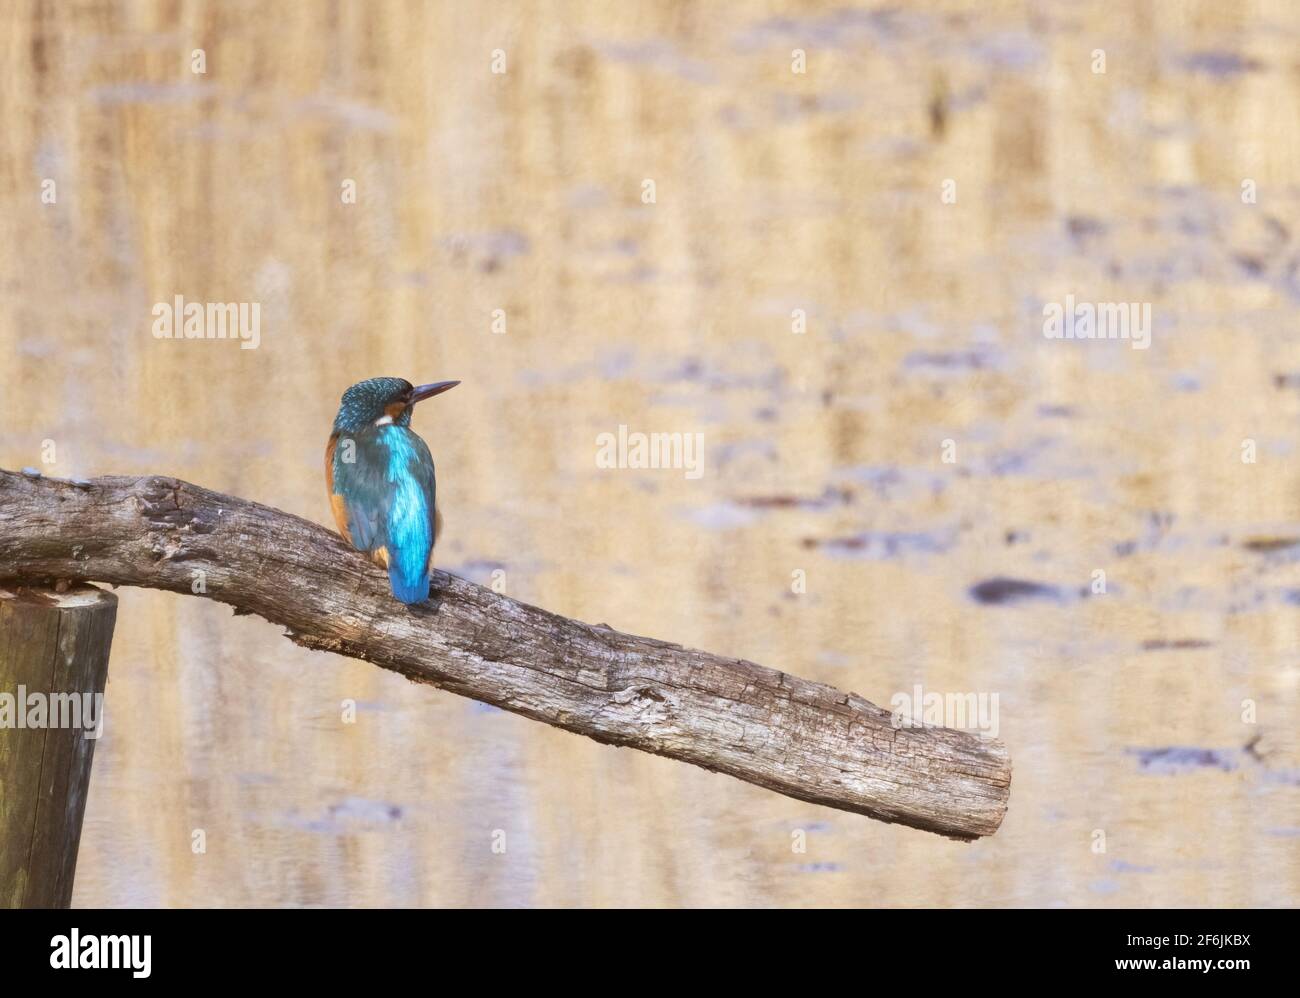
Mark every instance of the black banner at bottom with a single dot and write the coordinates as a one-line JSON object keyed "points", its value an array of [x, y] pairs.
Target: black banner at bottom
{"points": [[335, 947]]}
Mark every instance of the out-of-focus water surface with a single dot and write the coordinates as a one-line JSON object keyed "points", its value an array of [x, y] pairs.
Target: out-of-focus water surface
{"points": [[774, 192]]}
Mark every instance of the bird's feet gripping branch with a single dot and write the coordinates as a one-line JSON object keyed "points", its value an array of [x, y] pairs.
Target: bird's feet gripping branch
{"points": [[380, 478]]}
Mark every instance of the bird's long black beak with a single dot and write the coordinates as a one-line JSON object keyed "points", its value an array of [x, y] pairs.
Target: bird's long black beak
{"points": [[421, 392]]}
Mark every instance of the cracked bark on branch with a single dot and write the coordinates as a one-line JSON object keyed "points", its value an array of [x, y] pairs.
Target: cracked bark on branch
{"points": [[799, 738]]}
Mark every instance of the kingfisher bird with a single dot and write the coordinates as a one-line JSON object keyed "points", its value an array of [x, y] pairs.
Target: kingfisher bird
{"points": [[379, 474]]}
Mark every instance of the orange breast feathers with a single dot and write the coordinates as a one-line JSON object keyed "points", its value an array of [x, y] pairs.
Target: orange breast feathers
{"points": [[337, 505]]}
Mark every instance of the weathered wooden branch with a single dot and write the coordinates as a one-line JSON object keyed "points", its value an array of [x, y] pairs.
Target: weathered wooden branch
{"points": [[799, 738]]}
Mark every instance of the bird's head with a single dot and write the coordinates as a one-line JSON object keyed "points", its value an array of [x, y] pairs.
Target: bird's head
{"points": [[379, 401]]}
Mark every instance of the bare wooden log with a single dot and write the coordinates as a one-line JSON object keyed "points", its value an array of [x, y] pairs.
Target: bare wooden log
{"points": [[53, 663], [800, 738]]}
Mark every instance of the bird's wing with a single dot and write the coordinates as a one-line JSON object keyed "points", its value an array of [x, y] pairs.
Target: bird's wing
{"points": [[337, 507], [357, 475]]}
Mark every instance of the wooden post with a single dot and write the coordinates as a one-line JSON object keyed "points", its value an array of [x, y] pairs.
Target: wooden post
{"points": [[53, 664]]}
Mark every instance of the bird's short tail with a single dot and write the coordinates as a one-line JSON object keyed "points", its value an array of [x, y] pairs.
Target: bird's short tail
{"points": [[412, 589]]}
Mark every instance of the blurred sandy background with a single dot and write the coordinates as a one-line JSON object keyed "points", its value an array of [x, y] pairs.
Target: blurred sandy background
{"points": [[775, 191]]}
